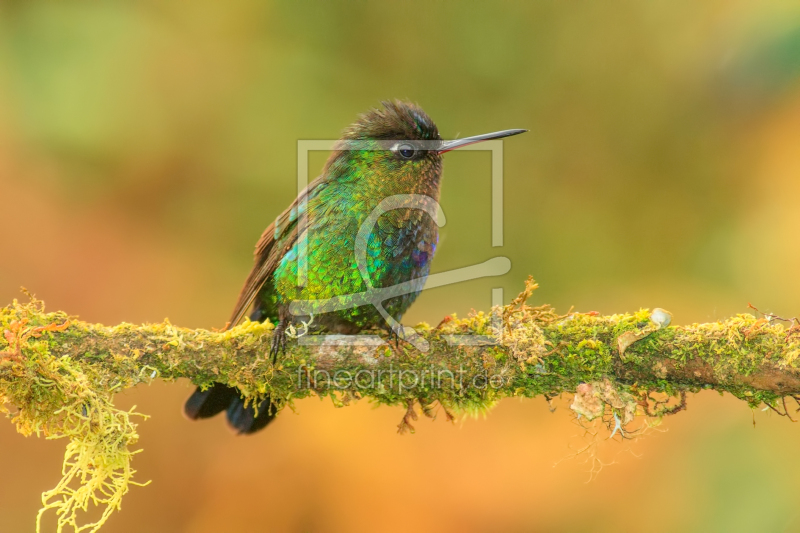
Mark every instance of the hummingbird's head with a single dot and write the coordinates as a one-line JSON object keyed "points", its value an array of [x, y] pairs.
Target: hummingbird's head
{"points": [[395, 121], [393, 148], [396, 148]]}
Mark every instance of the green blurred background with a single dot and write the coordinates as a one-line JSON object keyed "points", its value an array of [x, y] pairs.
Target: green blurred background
{"points": [[145, 145]]}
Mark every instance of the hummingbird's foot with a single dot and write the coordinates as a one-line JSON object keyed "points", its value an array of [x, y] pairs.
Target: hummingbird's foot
{"points": [[400, 332], [278, 340], [394, 333]]}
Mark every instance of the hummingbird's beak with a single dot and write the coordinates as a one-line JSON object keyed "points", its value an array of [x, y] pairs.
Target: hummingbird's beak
{"points": [[458, 143]]}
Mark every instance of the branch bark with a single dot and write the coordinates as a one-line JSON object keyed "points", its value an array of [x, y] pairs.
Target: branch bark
{"points": [[539, 353]]}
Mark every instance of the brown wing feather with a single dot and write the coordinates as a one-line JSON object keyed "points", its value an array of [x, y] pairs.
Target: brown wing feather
{"points": [[257, 277], [267, 256]]}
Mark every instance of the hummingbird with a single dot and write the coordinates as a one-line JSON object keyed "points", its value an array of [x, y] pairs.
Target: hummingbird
{"points": [[390, 152]]}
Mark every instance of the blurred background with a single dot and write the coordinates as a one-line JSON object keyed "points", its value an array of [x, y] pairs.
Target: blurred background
{"points": [[144, 146]]}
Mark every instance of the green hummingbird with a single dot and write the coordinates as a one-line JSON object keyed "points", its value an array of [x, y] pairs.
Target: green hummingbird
{"points": [[391, 152]]}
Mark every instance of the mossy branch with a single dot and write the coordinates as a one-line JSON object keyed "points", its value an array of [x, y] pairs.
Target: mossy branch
{"points": [[58, 374]]}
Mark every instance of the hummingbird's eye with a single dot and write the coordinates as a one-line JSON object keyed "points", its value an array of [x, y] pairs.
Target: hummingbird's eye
{"points": [[406, 151]]}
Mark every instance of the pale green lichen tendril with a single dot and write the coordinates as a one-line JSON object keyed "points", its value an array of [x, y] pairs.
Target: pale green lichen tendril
{"points": [[294, 333], [97, 464], [63, 398]]}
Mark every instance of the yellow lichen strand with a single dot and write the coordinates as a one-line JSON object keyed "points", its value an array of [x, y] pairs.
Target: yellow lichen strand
{"points": [[97, 464], [63, 398]]}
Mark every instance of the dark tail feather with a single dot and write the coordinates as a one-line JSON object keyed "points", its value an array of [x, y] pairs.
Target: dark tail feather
{"points": [[244, 420], [209, 402], [218, 398]]}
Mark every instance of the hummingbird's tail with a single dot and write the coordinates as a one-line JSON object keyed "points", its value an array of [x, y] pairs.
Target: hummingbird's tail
{"points": [[218, 398]]}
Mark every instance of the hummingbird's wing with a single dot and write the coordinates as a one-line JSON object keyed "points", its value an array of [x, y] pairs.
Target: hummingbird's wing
{"points": [[274, 243]]}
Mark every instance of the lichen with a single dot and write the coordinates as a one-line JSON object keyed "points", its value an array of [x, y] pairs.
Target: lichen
{"points": [[62, 397], [58, 375]]}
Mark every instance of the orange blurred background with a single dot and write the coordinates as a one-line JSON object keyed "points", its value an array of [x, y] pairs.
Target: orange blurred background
{"points": [[144, 147]]}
